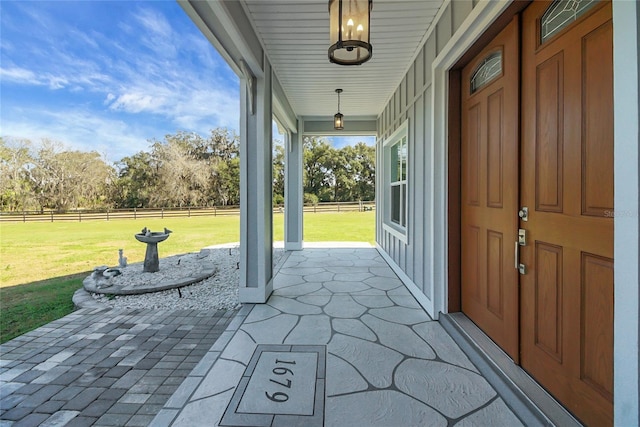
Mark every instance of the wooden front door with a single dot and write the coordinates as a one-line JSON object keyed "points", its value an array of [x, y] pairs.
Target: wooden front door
{"points": [[542, 138], [567, 184], [489, 196]]}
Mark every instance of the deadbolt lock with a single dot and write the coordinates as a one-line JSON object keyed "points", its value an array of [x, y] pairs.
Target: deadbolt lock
{"points": [[522, 237], [524, 213]]}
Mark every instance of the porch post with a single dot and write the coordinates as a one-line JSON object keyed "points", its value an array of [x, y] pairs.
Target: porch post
{"points": [[256, 211], [293, 191]]}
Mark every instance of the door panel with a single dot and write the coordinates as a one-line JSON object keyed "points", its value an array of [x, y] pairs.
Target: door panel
{"points": [[567, 183], [495, 167], [495, 272], [549, 132], [597, 158], [471, 154], [489, 177], [548, 299], [597, 315]]}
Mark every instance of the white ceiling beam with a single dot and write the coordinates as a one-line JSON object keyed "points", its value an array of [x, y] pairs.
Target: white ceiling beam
{"points": [[281, 107], [227, 27]]}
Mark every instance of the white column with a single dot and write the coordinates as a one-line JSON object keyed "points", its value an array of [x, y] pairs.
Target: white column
{"points": [[626, 79], [293, 191], [256, 210]]}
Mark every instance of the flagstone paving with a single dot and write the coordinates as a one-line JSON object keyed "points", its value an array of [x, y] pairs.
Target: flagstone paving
{"points": [[341, 342]]}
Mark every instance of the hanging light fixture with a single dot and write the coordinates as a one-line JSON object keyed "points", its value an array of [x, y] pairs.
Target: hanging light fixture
{"points": [[338, 119], [349, 31]]}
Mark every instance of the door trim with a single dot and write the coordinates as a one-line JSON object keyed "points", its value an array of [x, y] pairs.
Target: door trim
{"points": [[626, 18], [626, 113], [460, 50], [482, 17]]}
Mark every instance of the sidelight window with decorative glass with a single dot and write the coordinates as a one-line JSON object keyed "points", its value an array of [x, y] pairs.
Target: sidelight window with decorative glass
{"points": [[560, 14]]}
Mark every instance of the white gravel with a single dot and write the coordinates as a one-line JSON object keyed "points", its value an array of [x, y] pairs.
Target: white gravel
{"points": [[217, 292]]}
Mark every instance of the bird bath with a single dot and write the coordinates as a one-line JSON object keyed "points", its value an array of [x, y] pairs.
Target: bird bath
{"points": [[152, 238]]}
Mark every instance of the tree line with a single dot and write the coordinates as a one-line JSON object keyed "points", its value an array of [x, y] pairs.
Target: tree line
{"points": [[184, 169]]}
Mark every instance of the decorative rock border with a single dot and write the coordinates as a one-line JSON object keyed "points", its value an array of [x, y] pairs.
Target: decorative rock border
{"points": [[207, 271], [83, 299]]}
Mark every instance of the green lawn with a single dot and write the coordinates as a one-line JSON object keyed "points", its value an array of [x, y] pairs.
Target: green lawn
{"points": [[38, 251], [27, 307], [42, 264], [41, 250]]}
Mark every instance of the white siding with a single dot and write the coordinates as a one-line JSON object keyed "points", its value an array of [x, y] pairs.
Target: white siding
{"points": [[443, 28], [412, 101], [461, 9]]}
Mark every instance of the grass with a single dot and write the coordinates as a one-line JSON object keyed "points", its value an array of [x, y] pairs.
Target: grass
{"points": [[37, 251], [27, 307], [42, 264]]}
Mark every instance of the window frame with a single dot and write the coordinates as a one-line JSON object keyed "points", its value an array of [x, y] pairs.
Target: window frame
{"points": [[553, 34], [480, 67], [397, 229]]}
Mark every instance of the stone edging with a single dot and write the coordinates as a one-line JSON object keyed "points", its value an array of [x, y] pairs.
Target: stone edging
{"points": [[205, 273], [83, 299]]}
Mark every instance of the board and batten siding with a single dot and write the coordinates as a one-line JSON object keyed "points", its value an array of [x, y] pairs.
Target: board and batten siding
{"points": [[412, 101]]}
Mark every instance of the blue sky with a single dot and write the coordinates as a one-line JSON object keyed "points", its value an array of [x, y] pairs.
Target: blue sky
{"points": [[110, 75]]}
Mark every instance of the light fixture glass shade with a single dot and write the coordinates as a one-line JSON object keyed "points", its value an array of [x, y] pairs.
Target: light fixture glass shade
{"points": [[338, 119], [349, 31]]}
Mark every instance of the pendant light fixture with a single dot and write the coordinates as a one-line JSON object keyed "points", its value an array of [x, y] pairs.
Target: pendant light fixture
{"points": [[349, 31], [338, 119]]}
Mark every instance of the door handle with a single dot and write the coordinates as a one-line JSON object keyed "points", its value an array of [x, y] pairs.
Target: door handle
{"points": [[522, 269], [524, 213], [522, 237]]}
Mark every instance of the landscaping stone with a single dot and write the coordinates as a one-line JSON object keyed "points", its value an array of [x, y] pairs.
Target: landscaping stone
{"points": [[207, 280]]}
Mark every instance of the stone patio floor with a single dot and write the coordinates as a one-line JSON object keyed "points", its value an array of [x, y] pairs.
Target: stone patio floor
{"points": [[341, 342]]}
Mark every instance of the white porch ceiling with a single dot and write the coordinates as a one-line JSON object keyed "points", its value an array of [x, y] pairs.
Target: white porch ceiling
{"points": [[295, 36]]}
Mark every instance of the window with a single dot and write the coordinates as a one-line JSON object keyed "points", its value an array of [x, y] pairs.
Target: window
{"points": [[488, 70], [399, 181], [396, 154], [560, 14]]}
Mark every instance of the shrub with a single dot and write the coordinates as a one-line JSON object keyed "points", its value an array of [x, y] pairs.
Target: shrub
{"points": [[310, 199]]}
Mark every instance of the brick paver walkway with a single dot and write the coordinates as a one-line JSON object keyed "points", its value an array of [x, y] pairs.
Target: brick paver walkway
{"points": [[103, 367]]}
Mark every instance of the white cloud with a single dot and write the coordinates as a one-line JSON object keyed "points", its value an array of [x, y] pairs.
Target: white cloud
{"points": [[143, 67], [80, 130], [28, 77], [154, 22], [19, 75], [134, 103]]}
